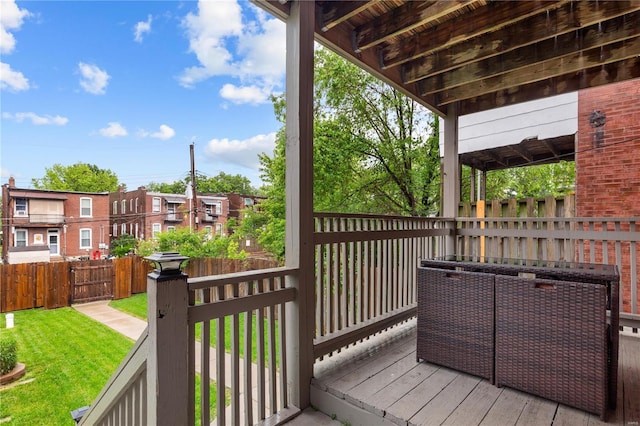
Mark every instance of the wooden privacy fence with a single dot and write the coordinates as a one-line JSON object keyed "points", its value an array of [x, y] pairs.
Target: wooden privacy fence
{"points": [[60, 284]]}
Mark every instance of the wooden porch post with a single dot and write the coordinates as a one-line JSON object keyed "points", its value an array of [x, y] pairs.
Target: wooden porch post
{"points": [[451, 171], [299, 200], [168, 358]]}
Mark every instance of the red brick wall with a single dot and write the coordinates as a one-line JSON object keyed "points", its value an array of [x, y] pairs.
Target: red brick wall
{"points": [[608, 166], [608, 171], [98, 223]]}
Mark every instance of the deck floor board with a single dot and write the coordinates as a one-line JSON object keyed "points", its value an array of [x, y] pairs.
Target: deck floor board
{"points": [[389, 383]]}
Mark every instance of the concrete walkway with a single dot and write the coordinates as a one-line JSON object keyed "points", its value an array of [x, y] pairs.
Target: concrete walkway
{"points": [[133, 328]]}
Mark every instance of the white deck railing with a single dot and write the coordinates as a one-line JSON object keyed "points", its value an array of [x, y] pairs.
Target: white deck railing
{"points": [[245, 312], [365, 273], [613, 241], [230, 329]]}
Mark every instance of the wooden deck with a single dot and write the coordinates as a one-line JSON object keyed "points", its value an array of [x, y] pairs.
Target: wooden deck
{"points": [[381, 383]]}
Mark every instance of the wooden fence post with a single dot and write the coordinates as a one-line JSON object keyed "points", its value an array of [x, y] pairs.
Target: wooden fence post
{"points": [[168, 358]]}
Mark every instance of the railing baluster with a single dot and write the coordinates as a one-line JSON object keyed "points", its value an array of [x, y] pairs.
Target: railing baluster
{"points": [[271, 338], [220, 363], [205, 376], [248, 361], [282, 328], [260, 341]]}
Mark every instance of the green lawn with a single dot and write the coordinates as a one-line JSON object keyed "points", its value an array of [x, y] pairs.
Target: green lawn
{"points": [[136, 305], [69, 358]]}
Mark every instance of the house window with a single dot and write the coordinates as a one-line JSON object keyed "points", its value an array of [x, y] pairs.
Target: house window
{"points": [[208, 232], [85, 238], [136, 231], [136, 204], [156, 204], [171, 228], [131, 229], [124, 206], [171, 212], [85, 207], [219, 228], [21, 207], [123, 228], [131, 205], [115, 230], [156, 230], [115, 207], [20, 238]]}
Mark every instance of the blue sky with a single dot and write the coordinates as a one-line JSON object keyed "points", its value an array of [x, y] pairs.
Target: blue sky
{"points": [[129, 85]]}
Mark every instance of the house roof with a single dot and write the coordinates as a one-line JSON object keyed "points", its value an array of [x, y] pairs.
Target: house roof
{"points": [[481, 54], [37, 194]]}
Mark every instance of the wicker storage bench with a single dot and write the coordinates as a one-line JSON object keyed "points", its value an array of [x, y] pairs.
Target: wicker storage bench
{"points": [[455, 320], [551, 340], [598, 283]]}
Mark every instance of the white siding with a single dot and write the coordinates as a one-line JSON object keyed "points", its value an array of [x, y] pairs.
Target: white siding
{"points": [[542, 119]]}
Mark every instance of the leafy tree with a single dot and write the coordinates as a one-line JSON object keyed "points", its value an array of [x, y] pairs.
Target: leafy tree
{"points": [[79, 177], [177, 187], [375, 150], [539, 181], [193, 244], [123, 245], [221, 183]]}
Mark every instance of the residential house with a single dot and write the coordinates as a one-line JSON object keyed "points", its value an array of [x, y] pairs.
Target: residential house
{"points": [[144, 214], [42, 225]]}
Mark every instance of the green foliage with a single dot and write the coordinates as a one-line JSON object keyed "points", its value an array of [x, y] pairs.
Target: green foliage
{"points": [[147, 247], [375, 151], [79, 177], [222, 183], [193, 244], [123, 245], [8, 353], [540, 181]]}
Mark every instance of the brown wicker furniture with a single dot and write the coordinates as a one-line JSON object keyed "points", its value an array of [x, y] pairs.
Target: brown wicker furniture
{"points": [[551, 340], [455, 320]]}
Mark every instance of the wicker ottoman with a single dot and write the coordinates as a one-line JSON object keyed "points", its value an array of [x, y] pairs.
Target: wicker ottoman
{"points": [[552, 340], [455, 320]]}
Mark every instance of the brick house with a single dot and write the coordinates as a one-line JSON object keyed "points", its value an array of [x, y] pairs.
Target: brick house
{"points": [[42, 225], [143, 214]]}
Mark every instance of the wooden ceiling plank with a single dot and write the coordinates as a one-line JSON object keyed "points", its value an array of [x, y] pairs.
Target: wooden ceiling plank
{"points": [[492, 17], [338, 40], [334, 13], [597, 76], [585, 38], [551, 149], [522, 152], [403, 19], [538, 71], [540, 27]]}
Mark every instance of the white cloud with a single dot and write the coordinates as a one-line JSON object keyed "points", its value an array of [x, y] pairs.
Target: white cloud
{"points": [[38, 120], [245, 94], [141, 28], [165, 133], [11, 19], [242, 153], [94, 80], [113, 130], [12, 80], [252, 51]]}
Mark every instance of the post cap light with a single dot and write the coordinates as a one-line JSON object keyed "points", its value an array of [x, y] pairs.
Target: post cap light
{"points": [[167, 263]]}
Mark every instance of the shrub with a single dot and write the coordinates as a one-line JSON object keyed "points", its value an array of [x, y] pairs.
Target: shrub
{"points": [[8, 354]]}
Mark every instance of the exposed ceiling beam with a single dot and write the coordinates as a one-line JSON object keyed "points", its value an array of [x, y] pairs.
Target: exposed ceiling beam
{"points": [[567, 18], [553, 48], [597, 76], [538, 71], [493, 17], [336, 12], [403, 19]]}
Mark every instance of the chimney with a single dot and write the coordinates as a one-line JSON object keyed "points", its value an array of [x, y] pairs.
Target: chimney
{"points": [[12, 182]]}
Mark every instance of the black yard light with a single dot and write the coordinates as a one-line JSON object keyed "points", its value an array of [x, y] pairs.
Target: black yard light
{"points": [[167, 263]]}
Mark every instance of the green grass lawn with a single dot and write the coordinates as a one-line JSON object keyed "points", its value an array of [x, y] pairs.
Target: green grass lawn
{"points": [[69, 358], [136, 305]]}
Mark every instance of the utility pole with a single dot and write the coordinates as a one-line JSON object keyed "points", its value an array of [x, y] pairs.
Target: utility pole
{"points": [[193, 188]]}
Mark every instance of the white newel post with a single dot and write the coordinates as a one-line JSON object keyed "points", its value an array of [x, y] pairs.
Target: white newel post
{"points": [[168, 357]]}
